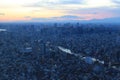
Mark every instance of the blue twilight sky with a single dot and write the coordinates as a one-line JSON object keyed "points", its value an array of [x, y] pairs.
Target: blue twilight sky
{"points": [[52, 10]]}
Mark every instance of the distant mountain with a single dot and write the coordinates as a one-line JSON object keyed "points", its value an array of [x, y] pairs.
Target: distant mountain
{"points": [[70, 18], [106, 20]]}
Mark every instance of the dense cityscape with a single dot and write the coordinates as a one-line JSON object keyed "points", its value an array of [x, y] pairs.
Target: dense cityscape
{"points": [[59, 51]]}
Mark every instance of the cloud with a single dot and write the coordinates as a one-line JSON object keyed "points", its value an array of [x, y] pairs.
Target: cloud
{"points": [[56, 4], [67, 17], [71, 2], [102, 12], [72, 7], [82, 11], [116, 1], [27, 17], [69, 8], [2, 14], [72, 18], [60, 18]]}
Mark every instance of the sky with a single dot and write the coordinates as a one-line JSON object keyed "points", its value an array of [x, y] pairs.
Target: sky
{"points": [[47, 10]]}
